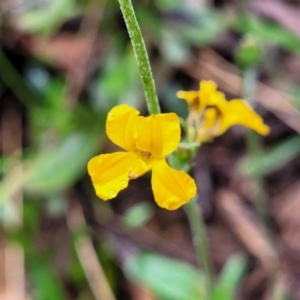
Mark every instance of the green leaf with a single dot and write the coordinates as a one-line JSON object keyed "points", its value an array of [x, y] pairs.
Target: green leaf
{"points": [[273, 159], [167, 4], [112, 87], [230, 278], [268, 32], [57, 169], [169, 279], [175, 50], [57, 11], [197, 26], [138, 214], [249, 52], [46, 285]]}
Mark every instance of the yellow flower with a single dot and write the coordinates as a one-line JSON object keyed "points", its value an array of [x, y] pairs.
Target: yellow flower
{"points": [[211, 114], [147, 140], [198, 100]]}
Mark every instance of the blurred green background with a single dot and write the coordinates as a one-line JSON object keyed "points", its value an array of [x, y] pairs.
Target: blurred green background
{"points": [[63, 65]]}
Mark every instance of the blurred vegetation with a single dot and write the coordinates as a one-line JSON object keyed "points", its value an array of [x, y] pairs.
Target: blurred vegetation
{"points": [[63, 65]]}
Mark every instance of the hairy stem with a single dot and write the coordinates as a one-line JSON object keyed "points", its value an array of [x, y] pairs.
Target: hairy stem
{"points": [[141, 56], [197, 225], [254, 146]]}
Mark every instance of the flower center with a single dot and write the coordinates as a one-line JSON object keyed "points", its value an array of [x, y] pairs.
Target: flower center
{"points": [[145, 154]]}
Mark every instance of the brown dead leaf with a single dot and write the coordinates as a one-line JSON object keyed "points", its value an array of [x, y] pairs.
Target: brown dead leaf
{"points": [[73, 54], [286, 211], [244, 224], [66, 51], [140, 292]]}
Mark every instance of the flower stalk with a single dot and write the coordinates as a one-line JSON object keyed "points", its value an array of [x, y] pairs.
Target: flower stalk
{"points": [[192, 210], [140, 51], [197, 225], [253, 144]]}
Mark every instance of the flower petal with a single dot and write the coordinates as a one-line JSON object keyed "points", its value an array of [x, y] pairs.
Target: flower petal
{"points": [[208, 94], [158, 134], [207, 86], [171, 188], [120, 126], [238, 112], [191, 97], [110, 173], [210, 125], [217, 99], [211, 117]]}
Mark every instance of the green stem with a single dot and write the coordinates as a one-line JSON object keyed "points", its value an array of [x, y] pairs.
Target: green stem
{"points": [[141, 55], [195, 218], [254, 146]]}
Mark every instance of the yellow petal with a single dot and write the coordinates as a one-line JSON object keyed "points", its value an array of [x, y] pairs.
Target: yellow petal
{"points": [[211, 118], [209, 96], [158, 134], [170, 131], [120, 126], [238, 112], [138, 168], [198, 100], [210, 125], [217, 99], [208, 86], [191, 97], [171, 188], [110, 173]]}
